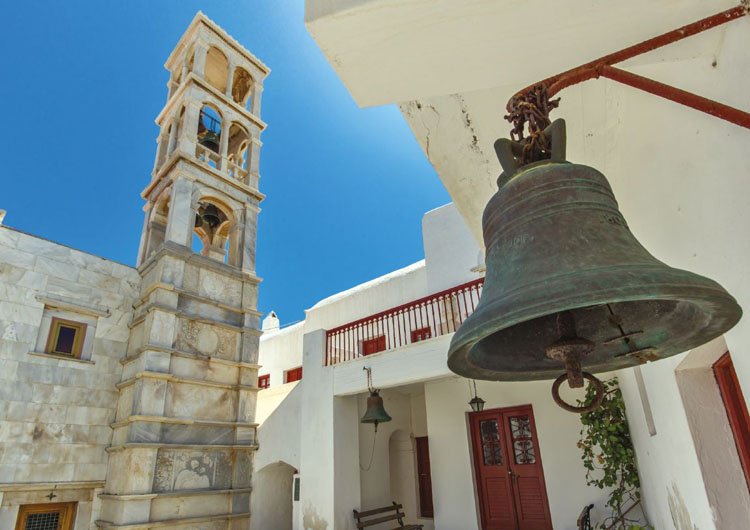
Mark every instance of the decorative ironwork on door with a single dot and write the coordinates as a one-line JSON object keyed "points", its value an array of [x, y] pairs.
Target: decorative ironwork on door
{"points": [[492, 450], [524, 451]]}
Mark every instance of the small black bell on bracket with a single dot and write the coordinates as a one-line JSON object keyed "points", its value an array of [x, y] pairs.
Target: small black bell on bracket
{"points": [[375, 412], [568, 286]]}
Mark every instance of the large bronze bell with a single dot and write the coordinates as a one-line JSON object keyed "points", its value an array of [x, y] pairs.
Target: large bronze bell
{"points": [[568, 286], [375, 412]]}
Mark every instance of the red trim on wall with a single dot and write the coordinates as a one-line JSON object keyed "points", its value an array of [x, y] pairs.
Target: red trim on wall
{"points": [[736, 406], [264, 381]]}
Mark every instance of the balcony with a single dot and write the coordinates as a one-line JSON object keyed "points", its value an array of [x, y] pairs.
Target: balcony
{"points": [[432, 316]]}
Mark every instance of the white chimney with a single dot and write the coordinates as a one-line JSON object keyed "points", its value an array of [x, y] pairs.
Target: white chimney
{"points": [[271, 322]]}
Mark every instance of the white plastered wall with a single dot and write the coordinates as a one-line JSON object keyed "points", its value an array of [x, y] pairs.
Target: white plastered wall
{"points": [[280, 350], [452, 255], [387, 291], [681, 180]]}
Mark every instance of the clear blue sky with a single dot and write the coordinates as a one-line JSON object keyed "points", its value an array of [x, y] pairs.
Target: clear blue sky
{"points": [[83, 81]]}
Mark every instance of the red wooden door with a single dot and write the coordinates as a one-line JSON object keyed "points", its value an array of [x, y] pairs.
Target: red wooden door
{"points": [[493, 473], [424, 478], [736, 407], [508, 466]]}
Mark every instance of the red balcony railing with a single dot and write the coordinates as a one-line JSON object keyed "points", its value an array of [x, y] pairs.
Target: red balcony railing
{"points": [[431, 316]]}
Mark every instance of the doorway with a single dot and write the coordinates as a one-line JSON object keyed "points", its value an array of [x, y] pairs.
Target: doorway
{"points": [[424, 478], [736, 407], [274, 492], [713, 408], [508, 470]]}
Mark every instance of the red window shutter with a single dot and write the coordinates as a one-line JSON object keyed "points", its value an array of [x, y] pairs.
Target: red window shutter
{"points": [[736, 406], [373, 345], [264, 381], [421, 334], [295, 374]]}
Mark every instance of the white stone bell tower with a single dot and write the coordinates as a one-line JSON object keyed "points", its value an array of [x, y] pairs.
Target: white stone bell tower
{"points": [[184, 434]]}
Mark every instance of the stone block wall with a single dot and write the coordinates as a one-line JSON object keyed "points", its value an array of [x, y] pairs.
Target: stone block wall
{"points": [[55, 413]]}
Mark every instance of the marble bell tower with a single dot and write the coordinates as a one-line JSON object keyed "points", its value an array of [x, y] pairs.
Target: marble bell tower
{"points": [[184, 432]]}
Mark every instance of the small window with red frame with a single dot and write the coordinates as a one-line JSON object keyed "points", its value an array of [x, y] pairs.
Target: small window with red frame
{"points": [[295, 374], [421, 334], [264, 381]]}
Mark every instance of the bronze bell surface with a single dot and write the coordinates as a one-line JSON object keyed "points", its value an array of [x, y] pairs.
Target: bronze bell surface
{"points": [[210, 215], [210, 139], [567, 281], [375, 412]]}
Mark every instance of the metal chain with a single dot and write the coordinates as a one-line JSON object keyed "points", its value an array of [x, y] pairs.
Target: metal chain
{"points": [[532, 107], [369, 378]]}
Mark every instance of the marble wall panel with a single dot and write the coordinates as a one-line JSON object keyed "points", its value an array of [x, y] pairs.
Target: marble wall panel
{"points": [[161, 328], [137, 338], [57, 269], [125, 403], [200, 402], [114, 327], [150, 395], [192, 306], [249, 295], [203, 369], [182, 469], [241, 503], [164, 508], [243, 469], [131, 471], [247, 400], [149, 278], [191, 278], [171, 270], [220, 288], [99, 281], [210, 525], [206, 339]]}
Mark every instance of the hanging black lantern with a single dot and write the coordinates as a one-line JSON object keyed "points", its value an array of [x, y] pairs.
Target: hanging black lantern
{"points": [[568, 287], [476, 403], [375, 412]]}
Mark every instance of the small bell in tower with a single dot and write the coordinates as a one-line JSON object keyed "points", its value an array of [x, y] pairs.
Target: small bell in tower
{"points": [[375, 412], [211, 215], [210, 139]]}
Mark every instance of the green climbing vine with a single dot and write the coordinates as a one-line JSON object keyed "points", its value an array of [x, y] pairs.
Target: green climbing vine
{"points": [[608, 455]]}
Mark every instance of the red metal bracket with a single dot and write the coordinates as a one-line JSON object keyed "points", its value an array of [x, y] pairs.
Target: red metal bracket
{"points": [[602, 67]]}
